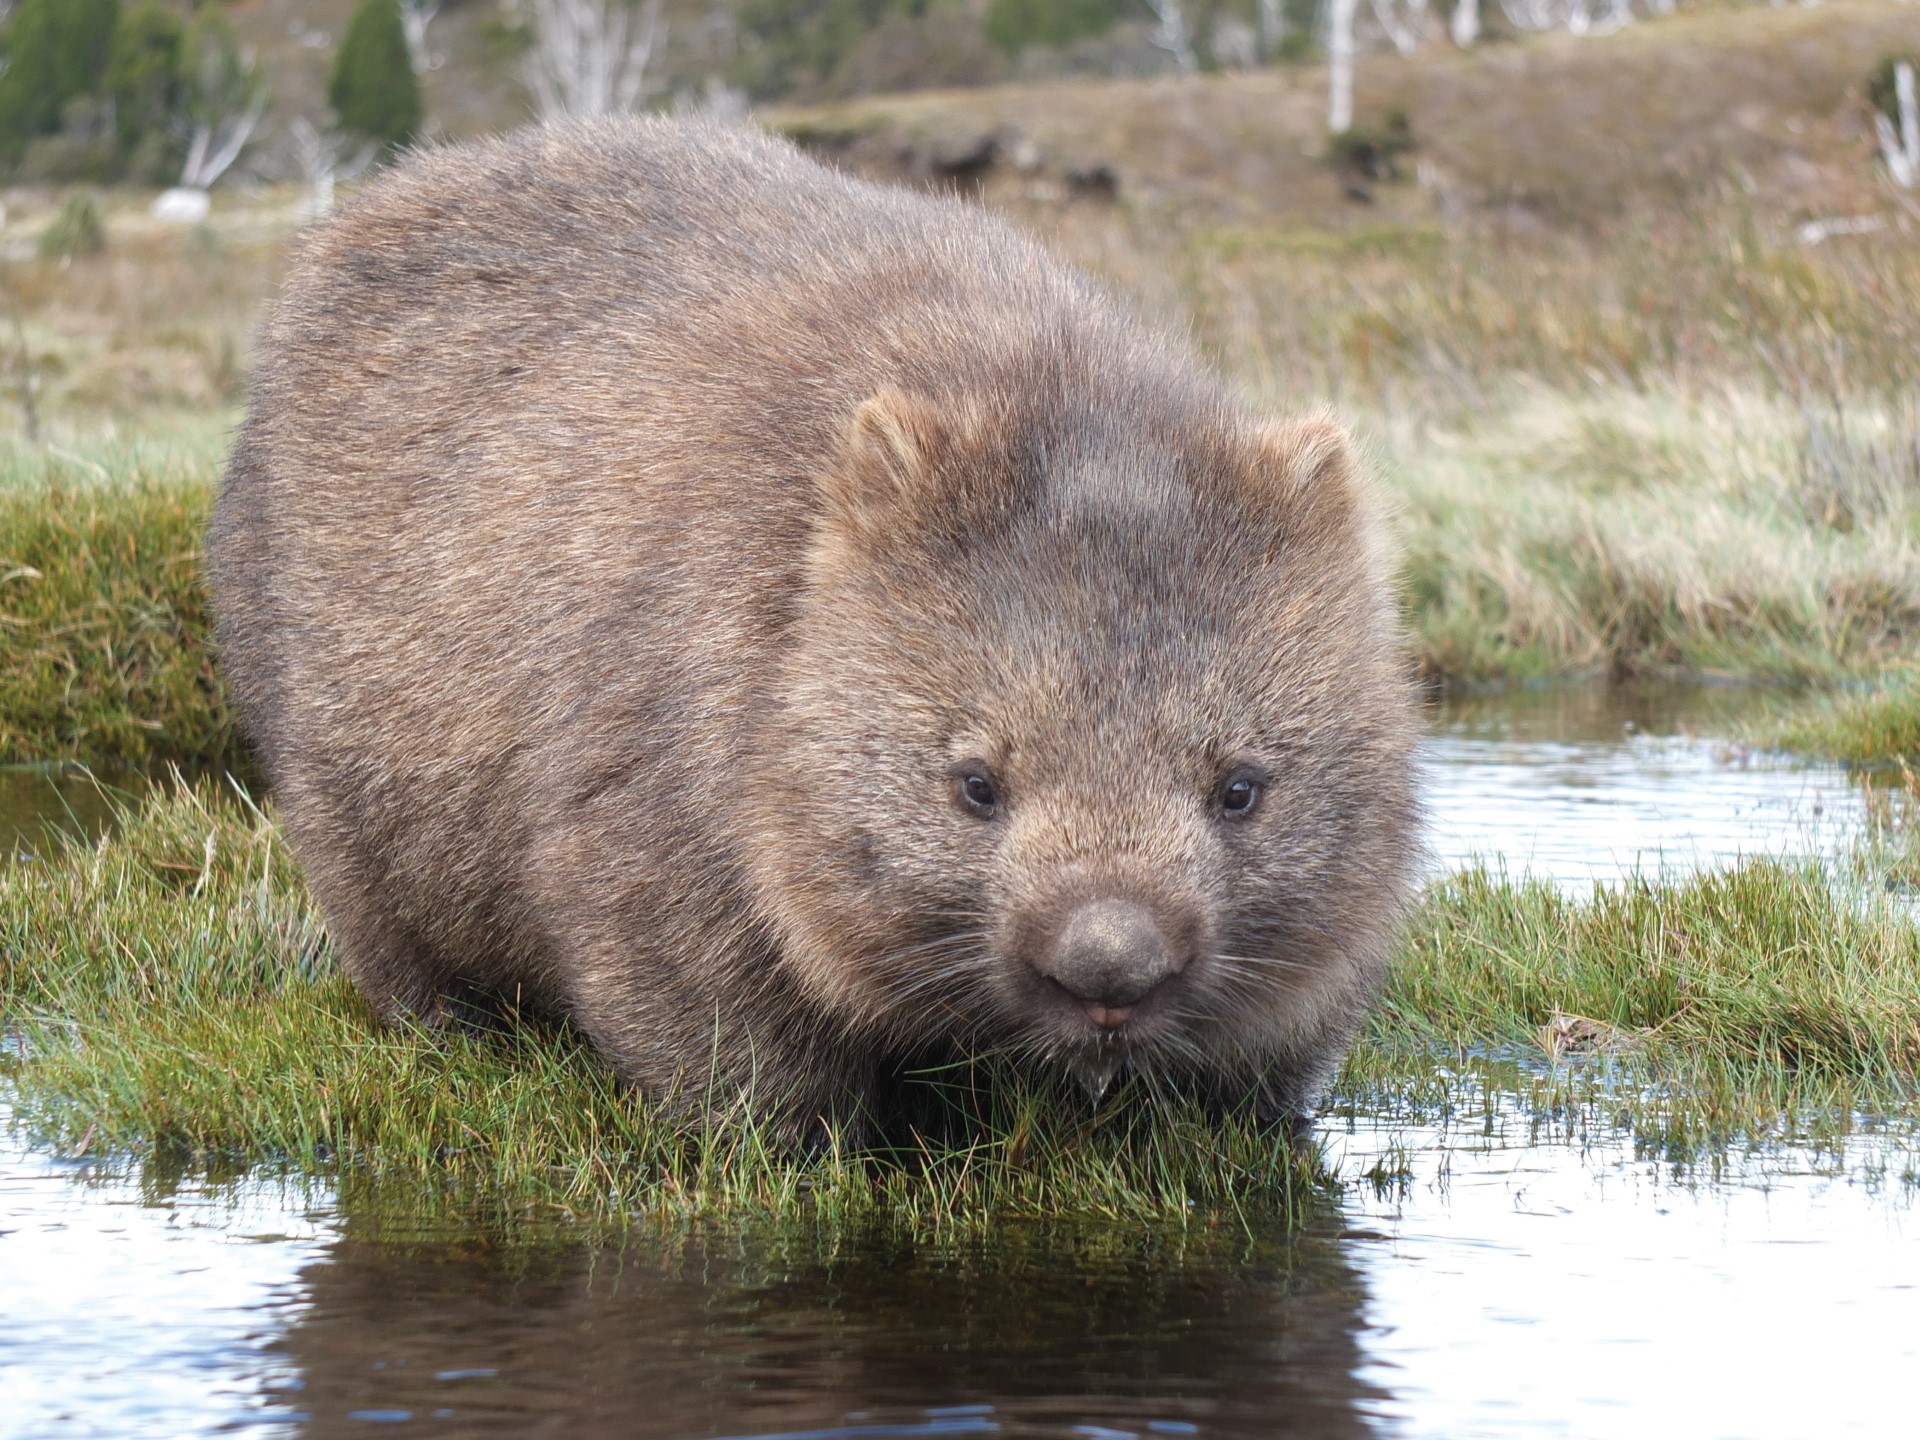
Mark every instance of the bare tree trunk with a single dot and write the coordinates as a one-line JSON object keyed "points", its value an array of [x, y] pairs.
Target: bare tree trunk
{"points": [[323, 157], [415, 16], [590, 57], [1340, 14], [1465, 24], [1172, 35], [1402, 30], [1273, 27], [1532, 14], [1901, 149], [217, 143]]}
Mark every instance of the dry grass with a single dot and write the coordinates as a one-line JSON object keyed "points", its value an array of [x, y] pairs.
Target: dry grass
{"points": [[1626, 422]]}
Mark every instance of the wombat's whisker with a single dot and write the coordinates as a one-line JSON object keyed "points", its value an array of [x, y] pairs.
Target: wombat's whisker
{"points": [[1279, 962]]}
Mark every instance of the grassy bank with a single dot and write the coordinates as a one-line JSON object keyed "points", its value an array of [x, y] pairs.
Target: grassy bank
{"points": [[1876, 727], [1622, 533], [173, 993], [1685, 452], [1628, 419], [103, 615]]}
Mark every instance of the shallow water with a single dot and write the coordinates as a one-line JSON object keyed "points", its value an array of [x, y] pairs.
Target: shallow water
{"points": [[1507, 1271], [1588, 784], [1494, 1283]]}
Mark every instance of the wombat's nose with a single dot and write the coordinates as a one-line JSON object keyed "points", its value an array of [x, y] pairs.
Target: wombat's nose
{"points": [[1109, 956]]}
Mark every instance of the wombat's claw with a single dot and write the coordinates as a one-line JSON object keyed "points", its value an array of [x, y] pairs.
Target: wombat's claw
{"points": [[1096, 1069]]}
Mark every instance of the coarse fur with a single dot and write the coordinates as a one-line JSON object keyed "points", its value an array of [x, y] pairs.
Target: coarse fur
{"points": [[639, 532]]}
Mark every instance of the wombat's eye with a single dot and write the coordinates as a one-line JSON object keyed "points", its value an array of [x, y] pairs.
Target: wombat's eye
{"points": [[976, 788], [1240, 794]]}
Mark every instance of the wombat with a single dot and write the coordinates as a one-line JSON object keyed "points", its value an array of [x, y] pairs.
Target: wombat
{"points": [[789, 626]]}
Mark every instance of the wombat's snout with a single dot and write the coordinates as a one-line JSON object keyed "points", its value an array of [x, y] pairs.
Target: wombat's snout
{"points": [[1110, 955]]}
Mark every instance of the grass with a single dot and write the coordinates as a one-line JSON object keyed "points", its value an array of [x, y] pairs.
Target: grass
{"points": [[1721, 480], [172, 993], [103, 612], [1876, 727], [1626, 421]]}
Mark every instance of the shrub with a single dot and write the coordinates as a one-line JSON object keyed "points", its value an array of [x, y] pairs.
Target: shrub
{"points": [[1373, 153], [56, 50], [373, 89], [1014, 25], [143, 72], [76, 230], [1881, 90]]}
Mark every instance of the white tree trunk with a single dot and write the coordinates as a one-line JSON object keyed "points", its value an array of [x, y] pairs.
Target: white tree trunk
{"points": [[1465, 24], [1340, 15], [1901, 148], [1532, 14], [590, 57], [1273, 27], [217, 143], [415, 16], [1172, 35], [324, 157], [1402, 20]]}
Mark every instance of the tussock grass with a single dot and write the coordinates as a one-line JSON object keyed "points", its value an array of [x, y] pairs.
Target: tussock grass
{"points": [[1768, 987], [1630, 532], [1872, 728], [103, 612], [172, 993]]}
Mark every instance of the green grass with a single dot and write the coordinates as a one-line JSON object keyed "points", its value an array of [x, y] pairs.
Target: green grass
{"points": [[173, 994], [103, 612], [1625, 532], [1871, 728]]}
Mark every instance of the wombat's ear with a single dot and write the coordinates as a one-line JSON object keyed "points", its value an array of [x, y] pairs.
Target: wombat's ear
{"points": [[1305, 475], [901, 456]]}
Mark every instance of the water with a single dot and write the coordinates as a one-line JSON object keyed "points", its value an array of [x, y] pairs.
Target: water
{"points": [[1509, 1270], [1495, 1284], [40, 802], [1579, 785]]}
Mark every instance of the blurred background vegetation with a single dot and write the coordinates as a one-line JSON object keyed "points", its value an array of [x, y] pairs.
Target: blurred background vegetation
{"points": [[1622, 299]]}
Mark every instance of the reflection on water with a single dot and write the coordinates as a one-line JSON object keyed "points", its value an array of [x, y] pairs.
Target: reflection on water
{"points": [[1505, 1274], [1039, 1332], [38, 802], [1589, 783], [131, 1309]]}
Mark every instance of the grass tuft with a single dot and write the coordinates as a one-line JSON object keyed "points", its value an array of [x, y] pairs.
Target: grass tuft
{"points": [[103, 612], [172, 993]]}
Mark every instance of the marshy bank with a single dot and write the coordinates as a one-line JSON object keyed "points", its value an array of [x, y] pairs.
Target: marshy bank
{"points": [[171, 992], [1578, 1125], [1630, 426], [1614, 536]]}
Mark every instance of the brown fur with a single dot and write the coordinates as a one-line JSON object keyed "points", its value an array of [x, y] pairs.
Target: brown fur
{"points": [[637, 523]]}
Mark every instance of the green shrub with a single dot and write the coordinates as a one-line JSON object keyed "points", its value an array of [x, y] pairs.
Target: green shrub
{"points": [[143, 72], [76, 230], [1882, 92], [1373, 152], [373, 89], [1014, 25], [56, 50], [797, 46]]}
